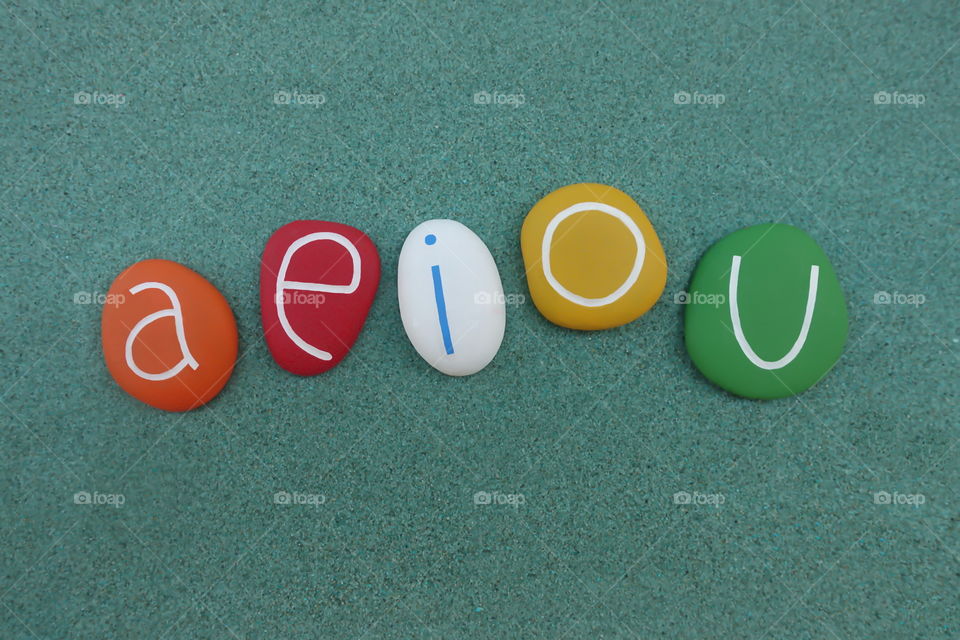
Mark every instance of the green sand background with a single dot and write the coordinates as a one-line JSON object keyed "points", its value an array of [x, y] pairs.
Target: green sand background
{"points": [[596, 430]]}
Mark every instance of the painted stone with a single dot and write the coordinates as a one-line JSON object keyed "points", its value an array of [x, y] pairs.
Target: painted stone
{"points": [[317, 283], [451, 298], [592, 258], [765, 315], [169, 337]]}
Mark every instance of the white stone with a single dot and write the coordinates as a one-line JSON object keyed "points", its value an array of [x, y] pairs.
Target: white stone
{"points": [[446, 256]]}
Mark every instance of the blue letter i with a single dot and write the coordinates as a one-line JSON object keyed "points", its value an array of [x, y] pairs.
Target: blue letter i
{"points": [[441, 305]]}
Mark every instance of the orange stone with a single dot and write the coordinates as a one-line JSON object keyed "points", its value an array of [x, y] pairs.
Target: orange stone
{"points": [[169, 337]]}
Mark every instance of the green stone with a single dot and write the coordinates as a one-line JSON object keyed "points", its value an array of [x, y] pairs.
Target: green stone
{"points": [[765, 315]]}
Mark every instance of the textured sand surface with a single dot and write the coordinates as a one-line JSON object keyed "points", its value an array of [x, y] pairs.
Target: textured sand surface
{"points": [[597, 431]]}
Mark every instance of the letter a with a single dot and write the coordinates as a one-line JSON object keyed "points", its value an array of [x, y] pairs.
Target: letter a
{"points": [[177, 315]]}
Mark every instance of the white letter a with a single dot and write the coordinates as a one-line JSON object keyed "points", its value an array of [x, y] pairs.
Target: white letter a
{"points": [[177, 314]]}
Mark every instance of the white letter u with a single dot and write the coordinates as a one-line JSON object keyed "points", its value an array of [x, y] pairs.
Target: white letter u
{"points": [[804, 329]]}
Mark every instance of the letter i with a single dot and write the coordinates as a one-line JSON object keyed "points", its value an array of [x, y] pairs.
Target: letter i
{"points": [[441, 304]]}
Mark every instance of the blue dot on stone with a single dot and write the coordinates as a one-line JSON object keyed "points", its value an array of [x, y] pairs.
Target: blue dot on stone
{"points": [[430, 239]]}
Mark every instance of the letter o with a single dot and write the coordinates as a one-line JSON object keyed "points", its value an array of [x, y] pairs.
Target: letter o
{"points": [[637, 263]]}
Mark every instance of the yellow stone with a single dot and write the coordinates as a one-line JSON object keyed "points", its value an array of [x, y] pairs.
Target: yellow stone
{"points": [[592, 258]]}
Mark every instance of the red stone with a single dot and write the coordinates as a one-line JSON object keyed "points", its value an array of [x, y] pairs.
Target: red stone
{"points": [[326, 288]]}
